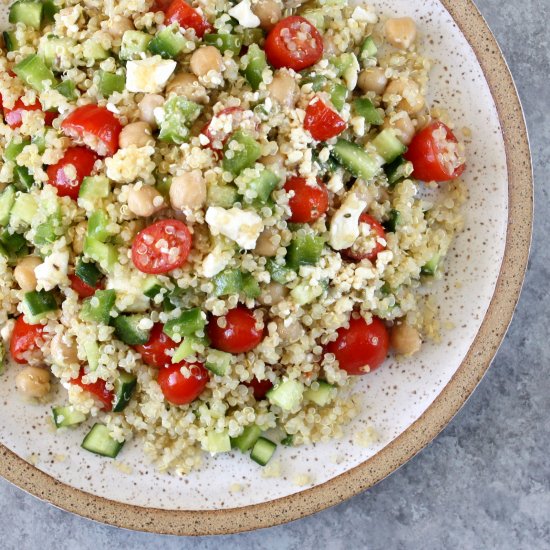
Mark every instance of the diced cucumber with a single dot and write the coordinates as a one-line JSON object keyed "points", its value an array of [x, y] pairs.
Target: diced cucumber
{"points": [[13, 245], [91, 349], [390, 225], [151, 287], [178, 114], [344, 62], [388, 145], [228, 281], [363, 107], [217, 442], [13, 149], [88, 273], [306, 293], [398, 170], [92, 49], [247, 439], [11, 42], [262, 451], [98, 307], [63, 417], [168, 43], [430, 267], [356, 160], [286, 395], [49, 11], [187, 324], [125, 385], [67, 88], [109, 83], [52, 48], [49, 230], [251, 287], [106, 255], [28, 12], [321, 396], [94, 188], [338, 95], [39, 140], [316, 17], [7, 200], [252, 36], [255, 66], [187, 348], [22, 178], [224, 42], [98, 226], [38, 303], [100, 442], [240, 152], [368, 49], [218, 361], [222, 195], [24, 210], [35, 73], [304, 250], [133, 45], [127, 330], [288, 440], [279, 273], [257, 190]]}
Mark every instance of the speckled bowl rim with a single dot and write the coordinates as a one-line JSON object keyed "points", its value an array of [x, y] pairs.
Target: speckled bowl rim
{"points": [[420, 433]]}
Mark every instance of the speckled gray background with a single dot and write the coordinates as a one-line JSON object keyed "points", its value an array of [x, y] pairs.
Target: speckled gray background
{"points": [[485, 482]]}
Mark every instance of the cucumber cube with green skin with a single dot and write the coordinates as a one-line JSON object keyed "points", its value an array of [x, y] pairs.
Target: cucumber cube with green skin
{"points": [[240, 152], [286, 395], [247, 439], [24, 210], [22, 178], [98, 307], [127, 329], [305, 293], [187, 348], [91, 349], [218, 442], [187, 324], [316, 17], [227, 282], [393, 221], [98, 226], [178, 115], [258, 190], [28, 12], [358, 162], [262, 451], [39, 302], [368, 49], [109, 83], [323, 395], [67, 88], [218, 361], [431, 266], [52, 48], [94, 188], [279, 273], [222, 195], [398, 170], [134, 43], [304, 250], [49, 11], [168, 43], [125, 385], [344, 62], [11, 42], [100, 442], [388, 145], [88, 272], [13, 149], [91, 49], [35, 73], [64, 417], [255, 66], [14, 244], [364, 107], [7, 200], [106, 255], [224, 42]]}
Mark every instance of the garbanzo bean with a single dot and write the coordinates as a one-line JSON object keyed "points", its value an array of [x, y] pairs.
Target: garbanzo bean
{"points": [[373, 80], [63, 354], [79, 236], [147, 107], [267, 243], [119, 25], [284, 89], [403, 126], [412, 100], [188, 86], [206, 59], [291, 332], [136, 133], [33, 381], [145, 201], [272, 294], [24, 273], [188, 191], [269, 12], [404, 339], [400, 32]]}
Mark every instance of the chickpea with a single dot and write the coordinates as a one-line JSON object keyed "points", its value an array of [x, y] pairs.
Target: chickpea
{"points": [[373, 80], [188, 86], [268, 242], [33, 381], [269, 12], [188, 191], [283, 89], [403, 126], [412, 101], [405, 339], [206, 59], [24, 273], [79, 237], [147, 107], [145, 201], [272, 294], [119, 25], [136, 133], [3, 185], [400, 32], [290, 333], [62, 353], [329, 46]]}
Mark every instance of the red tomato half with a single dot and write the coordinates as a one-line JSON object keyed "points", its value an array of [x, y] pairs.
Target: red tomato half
{"points": [[14, 116], [355, 253], [259, 387], [218, 137], [155, 352], [81, 288], [161, 247], [239, 334], [361, 348], [26, 341], [188, 18], [321, 121], [97, 389], [68, 173], [294, 43], [178, 389], [434, 155], [308, 202], [95, 127]]}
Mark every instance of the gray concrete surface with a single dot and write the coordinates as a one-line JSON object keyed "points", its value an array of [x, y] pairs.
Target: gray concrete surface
{"points": [[485, 482]]}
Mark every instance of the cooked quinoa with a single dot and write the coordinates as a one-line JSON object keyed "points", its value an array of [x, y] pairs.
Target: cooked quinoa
{"points": [[285, 197]]}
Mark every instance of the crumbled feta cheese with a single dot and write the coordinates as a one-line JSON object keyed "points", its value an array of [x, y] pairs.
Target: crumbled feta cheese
{"points": [[215, 261], [129, 289], [149, 75], [241, 226], [344, 226], [243, 13], [6, 330], [53, 271], [361, 14]]}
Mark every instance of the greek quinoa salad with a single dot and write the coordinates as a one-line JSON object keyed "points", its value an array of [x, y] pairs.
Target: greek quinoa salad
{"points": [[215, 216]]}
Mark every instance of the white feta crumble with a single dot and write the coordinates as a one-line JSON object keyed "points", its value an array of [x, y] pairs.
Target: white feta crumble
{"points": [[215, 261], [53, 271], [242, 226], [344, 226], [243, 13], [149, 75], [361, 14]]}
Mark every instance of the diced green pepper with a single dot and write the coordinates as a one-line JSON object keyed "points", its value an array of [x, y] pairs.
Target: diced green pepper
{"points": [[304, 249], [258, 189], [106, 255], [229, 281], [240, 152], [224, 42], [279, 273], [255, 66], [50, 230], [7, 200], [13, 244], [134, 43], [178, 114], [187, 324], [368, 49], [67, 88], [252, 36], [98, 226], [251, 287], [109, 83], [430, 267], [363, 107], [398, 170], [168, 43], [98, 307], [88, 272]]}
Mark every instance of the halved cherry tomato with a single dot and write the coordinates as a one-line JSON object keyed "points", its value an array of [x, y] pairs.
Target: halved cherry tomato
{"points": [[431, 156], [14, 116], [161, 247], [95, 127], [218, 137], [239, 334], [68, 173], [83, 289], [361, 348], [294, 43], [160, 5], [155, 352], [259, 387], [321, 121], [97, 389], [308, 202], [179, 389], [188, 18], [355, 253], [26, 340]]}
